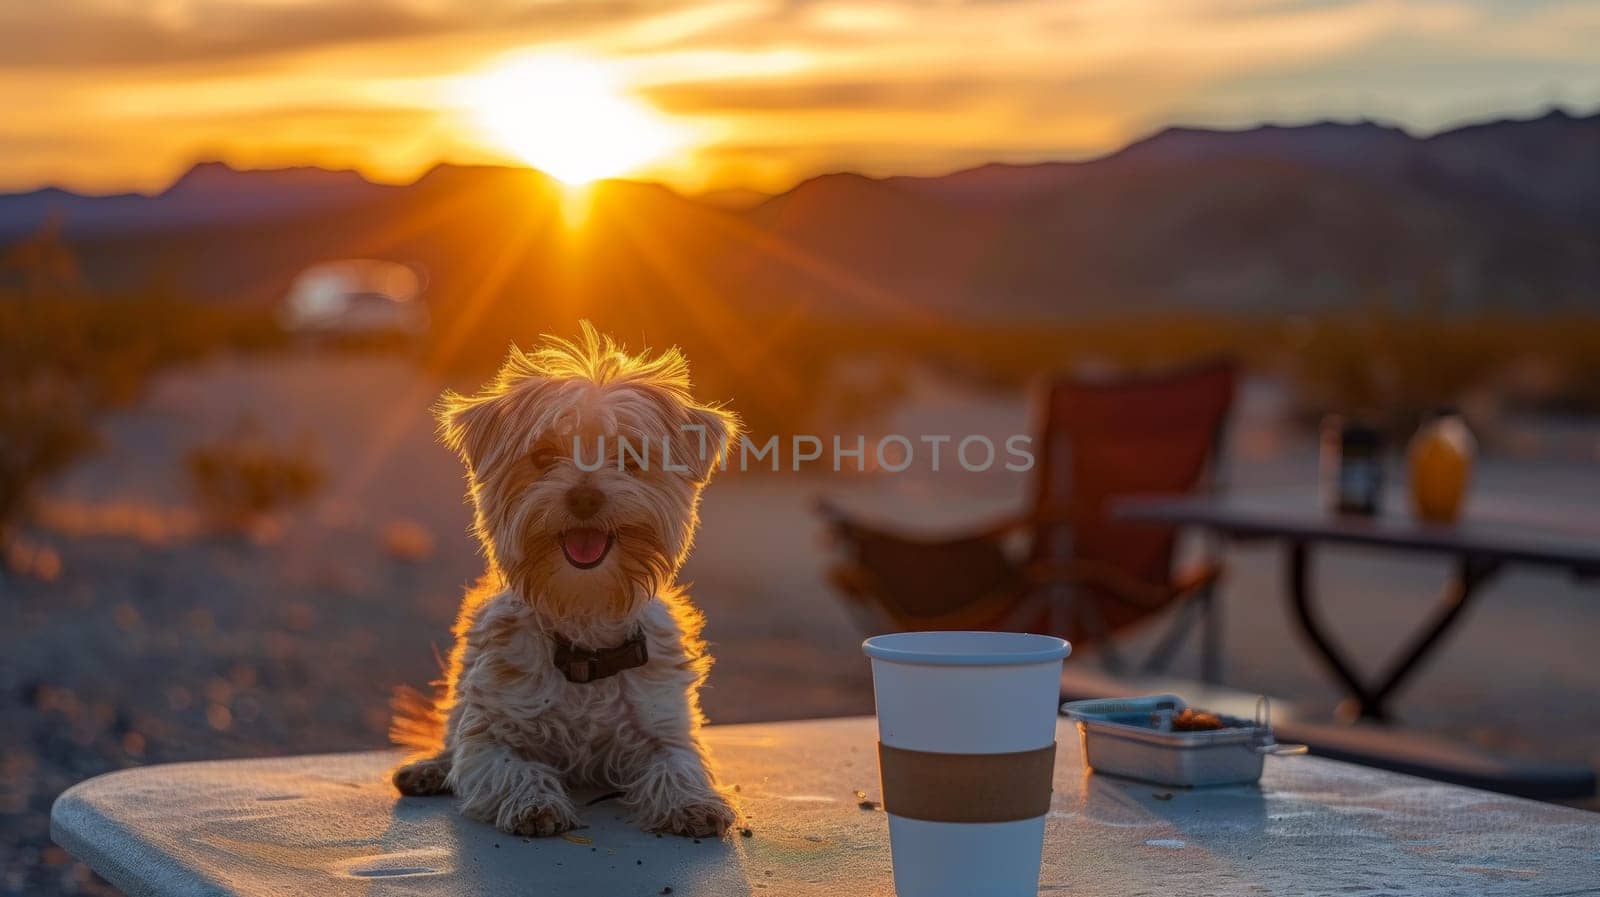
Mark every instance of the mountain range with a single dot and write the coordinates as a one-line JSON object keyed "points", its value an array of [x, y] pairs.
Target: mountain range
{"points": [[1272, 219]]}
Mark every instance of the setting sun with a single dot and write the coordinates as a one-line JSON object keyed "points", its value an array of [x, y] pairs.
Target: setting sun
{"points": [[568, 117]]}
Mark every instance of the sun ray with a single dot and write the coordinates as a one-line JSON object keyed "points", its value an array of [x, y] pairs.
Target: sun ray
{"points": [[711, 313], [393, 427], [831, 275]]}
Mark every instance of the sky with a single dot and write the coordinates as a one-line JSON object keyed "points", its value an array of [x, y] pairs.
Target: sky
{"points": [[108, 95]]}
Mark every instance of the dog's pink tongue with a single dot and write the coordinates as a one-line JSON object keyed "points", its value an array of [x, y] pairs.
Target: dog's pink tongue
{"points": [[584, 546]]}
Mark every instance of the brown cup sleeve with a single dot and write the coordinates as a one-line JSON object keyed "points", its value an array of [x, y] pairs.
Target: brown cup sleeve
{"points": [[966, 787]]}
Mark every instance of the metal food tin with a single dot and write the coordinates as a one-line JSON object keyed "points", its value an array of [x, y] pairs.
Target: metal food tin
{"points": [[1133, 737]]}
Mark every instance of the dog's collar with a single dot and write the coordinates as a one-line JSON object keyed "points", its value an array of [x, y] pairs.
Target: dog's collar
{"points": [[584, 665]]}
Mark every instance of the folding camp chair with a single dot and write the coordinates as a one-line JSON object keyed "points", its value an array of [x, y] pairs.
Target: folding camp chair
{"points": [[1084, 577]]}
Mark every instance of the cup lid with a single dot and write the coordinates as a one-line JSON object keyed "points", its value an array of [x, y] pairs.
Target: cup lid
{"points": [[966, 648]]}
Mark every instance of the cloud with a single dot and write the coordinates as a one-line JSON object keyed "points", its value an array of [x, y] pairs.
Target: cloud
{"points": [[722, 98], [78, 33]]}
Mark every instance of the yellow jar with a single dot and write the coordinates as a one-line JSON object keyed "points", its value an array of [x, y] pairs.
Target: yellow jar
{"points": [[1441, 457]]}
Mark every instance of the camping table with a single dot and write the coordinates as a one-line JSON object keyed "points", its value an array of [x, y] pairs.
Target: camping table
{"points": [[332, 825], [1498, 531]]}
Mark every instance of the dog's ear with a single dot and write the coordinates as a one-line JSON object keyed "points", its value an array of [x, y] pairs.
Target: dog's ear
{"points": [[712, 432], [469, 425]]}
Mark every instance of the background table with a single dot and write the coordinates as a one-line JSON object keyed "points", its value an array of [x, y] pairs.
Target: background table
{"points": [[332, 825], [1498, 532]]}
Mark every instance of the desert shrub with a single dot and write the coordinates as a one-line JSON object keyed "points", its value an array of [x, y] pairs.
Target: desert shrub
{"points": [[1387, 359], [109, 346], [238, 478], [45, 424], [67, 355], [1393, 366]]}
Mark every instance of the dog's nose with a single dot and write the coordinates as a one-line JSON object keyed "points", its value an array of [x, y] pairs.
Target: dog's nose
{"points": [[584, 501]]}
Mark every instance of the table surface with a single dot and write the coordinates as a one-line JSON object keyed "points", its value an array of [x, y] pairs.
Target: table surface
{"points": [[332, 825], [1493, 527]]}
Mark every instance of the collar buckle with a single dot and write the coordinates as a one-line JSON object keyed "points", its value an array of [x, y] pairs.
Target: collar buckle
{"points": [[580, 670]]}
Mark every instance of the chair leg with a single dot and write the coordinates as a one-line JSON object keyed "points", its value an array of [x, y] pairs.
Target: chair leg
{"points": [[1094, 627], [1210, 637], [1204, 605], [1161, 654]]}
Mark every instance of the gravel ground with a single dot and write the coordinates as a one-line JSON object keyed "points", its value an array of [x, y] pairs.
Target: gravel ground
{"points": [[141, 638]]}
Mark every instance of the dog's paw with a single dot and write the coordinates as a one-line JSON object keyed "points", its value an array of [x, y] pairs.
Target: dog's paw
{"points": [[422, 778], [541, 820], [700, 819]]}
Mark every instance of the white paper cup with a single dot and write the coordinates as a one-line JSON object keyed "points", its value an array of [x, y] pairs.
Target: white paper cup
{"points": [[967, 696]]}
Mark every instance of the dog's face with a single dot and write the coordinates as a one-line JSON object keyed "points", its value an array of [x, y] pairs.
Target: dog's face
{"points": [[586, 466]]}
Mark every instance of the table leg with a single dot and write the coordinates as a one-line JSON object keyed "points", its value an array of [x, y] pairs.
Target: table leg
{"points": [[1311, 628], [1470, 574], [1370, 701]]}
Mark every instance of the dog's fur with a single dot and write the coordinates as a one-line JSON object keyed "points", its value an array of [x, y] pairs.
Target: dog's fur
{"points": [[509, 733]]}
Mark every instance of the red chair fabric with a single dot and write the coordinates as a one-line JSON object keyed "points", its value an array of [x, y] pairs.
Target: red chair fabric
{"points": [[1152, 435], [1085, 576]]}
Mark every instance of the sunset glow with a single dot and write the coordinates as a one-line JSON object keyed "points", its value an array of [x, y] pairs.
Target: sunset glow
{"points": [[738, 93], [567, 117]]}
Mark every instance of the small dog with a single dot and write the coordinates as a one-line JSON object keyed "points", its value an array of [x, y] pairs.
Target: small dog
{"points": [[578, 660]]}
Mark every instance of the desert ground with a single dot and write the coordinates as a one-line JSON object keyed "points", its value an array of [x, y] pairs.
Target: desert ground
{"points": [[142, 636]]}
